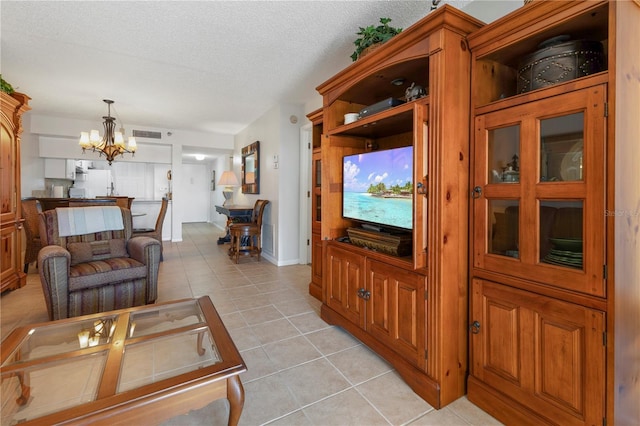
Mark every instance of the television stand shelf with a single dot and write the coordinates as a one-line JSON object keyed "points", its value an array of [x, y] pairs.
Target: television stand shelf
{"points": [[394, 244]]}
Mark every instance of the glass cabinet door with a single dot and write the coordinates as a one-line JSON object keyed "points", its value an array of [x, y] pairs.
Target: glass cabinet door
{"points": [[538, 191], [317, 187]]}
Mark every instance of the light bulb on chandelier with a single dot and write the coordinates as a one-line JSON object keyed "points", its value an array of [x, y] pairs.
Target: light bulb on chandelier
{"points": [[112, 143]]}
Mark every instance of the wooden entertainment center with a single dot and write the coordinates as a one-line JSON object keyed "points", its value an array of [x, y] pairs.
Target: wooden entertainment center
{"points": [[412, 310], [521, 289]]}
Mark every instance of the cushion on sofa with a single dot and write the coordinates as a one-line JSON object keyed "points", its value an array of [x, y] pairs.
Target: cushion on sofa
{"points": [[106, 271], [82, 252]]}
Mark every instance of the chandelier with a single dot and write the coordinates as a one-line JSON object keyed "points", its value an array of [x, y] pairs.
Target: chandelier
{"points": [[112, 143]]}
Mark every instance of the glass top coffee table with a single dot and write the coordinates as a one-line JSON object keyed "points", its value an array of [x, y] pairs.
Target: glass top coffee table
{"points": [[140, 365]]}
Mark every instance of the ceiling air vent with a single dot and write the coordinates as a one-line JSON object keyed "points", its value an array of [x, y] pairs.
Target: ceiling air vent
{"points": [[147, 134]]}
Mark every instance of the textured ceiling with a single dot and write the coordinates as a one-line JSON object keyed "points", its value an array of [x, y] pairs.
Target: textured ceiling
{"points": [[212, 66]]}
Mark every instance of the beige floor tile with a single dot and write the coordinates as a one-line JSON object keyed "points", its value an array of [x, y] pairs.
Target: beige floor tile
{"points": [[313, 381], [332, 340], [344, 409], [265, 399], [301, 371], [293, 307], [442, 417], [269, 287], [260, 315], [398, 403], [258, 363], [244, 292], [308, 322], [251, 303], [291, 352], [350, 362], [282, 296], [297, 418], [471, 413], [233, 320], [274, 331], [224, 308], [244, 338]]}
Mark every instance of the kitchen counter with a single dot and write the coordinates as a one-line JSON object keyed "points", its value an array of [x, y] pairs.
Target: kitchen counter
{"points": [[52, 203]]}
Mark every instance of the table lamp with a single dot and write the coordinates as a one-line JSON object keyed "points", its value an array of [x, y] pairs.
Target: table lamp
{"points": [[228, 180]]}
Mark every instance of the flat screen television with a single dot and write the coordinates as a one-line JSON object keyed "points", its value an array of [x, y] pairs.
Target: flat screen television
{"points": [[378, 188]]}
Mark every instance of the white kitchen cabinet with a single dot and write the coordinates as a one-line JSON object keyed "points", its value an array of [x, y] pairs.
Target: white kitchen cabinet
{"points": [[58, 168]]}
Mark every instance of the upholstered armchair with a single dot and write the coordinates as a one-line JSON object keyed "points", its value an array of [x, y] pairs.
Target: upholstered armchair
{"points": [[87, 268]]}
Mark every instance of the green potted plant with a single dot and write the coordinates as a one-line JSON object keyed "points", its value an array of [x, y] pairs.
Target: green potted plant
{"points": [[5, 87], [373, 35]]}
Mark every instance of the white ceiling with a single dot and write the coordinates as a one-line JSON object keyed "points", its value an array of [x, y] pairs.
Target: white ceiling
{"points": [[210, 66]]}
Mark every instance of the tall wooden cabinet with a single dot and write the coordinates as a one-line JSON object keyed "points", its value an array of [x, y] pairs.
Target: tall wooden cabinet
{"points": [[315, 286], [542, 249], [11, 275], [411, 309]]}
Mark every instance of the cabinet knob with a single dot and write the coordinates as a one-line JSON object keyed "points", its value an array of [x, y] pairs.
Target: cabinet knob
{"points": [[421, 187], [475, 327], [364, 294], [476, 192]]}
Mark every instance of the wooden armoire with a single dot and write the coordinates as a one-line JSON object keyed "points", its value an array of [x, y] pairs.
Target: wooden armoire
{"points": [[11, 275]]}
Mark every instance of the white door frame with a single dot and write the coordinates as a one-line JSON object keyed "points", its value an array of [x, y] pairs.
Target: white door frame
{"points": [[304, 244]]}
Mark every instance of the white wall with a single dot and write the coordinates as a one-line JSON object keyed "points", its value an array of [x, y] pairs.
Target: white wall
{"points": [[490, 10], [277, 136], [195, 188], [216, 198]]}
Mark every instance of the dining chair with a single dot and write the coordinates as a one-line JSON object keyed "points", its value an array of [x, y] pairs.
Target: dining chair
{"points": [[157, 231], [30, 211], [246, 238]]}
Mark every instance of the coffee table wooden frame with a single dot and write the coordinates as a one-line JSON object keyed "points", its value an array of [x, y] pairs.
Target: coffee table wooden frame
{"points": [[152, 403]]}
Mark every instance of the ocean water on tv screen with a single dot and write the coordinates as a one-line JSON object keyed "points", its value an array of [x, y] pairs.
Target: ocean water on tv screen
{"points": [[394, 212]]}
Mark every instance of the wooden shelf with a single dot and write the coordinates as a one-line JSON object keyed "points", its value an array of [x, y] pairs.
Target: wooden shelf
{"points": [[393, 121]]}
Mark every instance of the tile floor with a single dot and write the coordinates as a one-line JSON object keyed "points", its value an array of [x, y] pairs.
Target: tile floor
{"points": [[301, 371]]}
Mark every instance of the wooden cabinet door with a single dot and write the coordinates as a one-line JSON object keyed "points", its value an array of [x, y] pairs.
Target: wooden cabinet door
{"points": [[344, 276], [316, 260], [315, 287], [545, 353], [11, 275], [396, 310], [539, 192]]}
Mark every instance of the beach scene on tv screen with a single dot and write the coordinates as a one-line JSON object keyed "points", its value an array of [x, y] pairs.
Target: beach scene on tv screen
{"points": [[378, 187]]}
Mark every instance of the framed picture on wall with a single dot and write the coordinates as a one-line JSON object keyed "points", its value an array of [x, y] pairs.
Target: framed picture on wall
{"points": [[251, 168], [213, 180]]}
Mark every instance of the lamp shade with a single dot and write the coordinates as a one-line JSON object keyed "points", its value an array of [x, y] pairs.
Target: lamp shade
{"points": [[228, 178]]}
